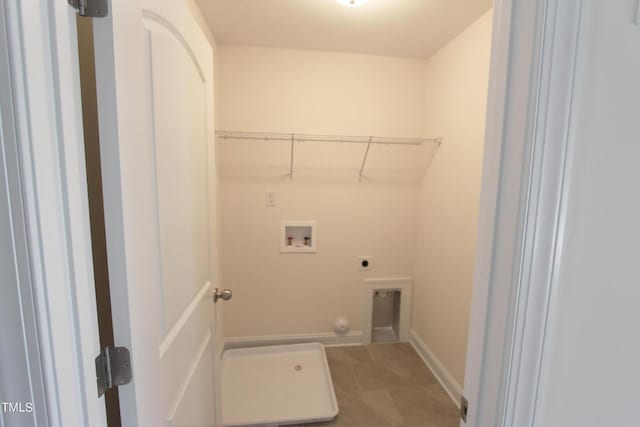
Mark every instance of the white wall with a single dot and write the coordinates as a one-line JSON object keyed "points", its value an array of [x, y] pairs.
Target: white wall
{"points": [[591, 373], [265, 89], [456, 94], [284, 90]]}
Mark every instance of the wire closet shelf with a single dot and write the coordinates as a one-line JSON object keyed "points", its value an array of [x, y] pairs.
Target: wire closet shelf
{"points": [[292, 138]]}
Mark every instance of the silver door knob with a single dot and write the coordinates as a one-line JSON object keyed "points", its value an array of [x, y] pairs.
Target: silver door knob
{"points": [[225, 294]]}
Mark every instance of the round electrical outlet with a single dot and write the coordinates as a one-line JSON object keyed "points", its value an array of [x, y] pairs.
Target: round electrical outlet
{"points": [[365, 263]]}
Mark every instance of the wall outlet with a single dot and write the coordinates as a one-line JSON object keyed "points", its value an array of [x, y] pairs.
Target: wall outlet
{"points": [[270, 198], [365, 263]]}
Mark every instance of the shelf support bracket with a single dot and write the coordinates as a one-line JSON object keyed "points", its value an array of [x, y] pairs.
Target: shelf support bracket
{"points": [[291, 164], [366, 154]]}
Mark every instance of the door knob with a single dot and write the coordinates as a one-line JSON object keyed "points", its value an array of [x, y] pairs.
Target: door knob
{"points": [[225, 294]]}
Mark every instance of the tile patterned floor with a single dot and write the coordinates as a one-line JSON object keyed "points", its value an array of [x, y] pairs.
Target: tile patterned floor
{"points": [[386, 385], [383, 334]]}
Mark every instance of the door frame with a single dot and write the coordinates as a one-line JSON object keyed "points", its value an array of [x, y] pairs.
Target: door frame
{"points": [[45, 86], [533, 51]]}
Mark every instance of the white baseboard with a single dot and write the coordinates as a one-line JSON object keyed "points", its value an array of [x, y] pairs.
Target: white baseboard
{"points": [[327, 338], [441, 373]]}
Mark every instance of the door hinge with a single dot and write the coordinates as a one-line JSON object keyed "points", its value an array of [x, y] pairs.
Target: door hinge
{"points": [[90, 8], [113, 368], [464, 408]]}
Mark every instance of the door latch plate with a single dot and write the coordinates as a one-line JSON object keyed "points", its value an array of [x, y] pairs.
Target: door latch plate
{"points": [[464, 408]]}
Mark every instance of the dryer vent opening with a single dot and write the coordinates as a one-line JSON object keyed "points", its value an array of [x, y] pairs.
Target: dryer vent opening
{"points": [[386, 316]]}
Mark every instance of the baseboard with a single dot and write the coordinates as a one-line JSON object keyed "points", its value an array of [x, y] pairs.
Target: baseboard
{"points": [[441, 373], [327, 338]]}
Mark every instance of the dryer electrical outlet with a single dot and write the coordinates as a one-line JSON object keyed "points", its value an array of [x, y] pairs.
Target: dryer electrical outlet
{"points": [[365, 263]]}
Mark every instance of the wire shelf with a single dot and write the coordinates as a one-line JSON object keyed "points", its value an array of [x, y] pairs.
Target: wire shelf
{"points": [[293, 138]]}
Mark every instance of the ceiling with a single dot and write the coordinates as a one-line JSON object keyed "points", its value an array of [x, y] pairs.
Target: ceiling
{"points": [[401, 28]]}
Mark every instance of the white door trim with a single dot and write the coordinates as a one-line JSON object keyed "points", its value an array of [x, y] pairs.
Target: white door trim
{"points": [[544, 227], [527, 144], [21, 373], [46, 88]]}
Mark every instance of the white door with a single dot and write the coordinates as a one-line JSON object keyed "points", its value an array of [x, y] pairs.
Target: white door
{"points": [[155, 106]]}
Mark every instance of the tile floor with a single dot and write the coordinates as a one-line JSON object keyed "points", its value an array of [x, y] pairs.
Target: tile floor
{"points": [[386, 385], [383, 334]]}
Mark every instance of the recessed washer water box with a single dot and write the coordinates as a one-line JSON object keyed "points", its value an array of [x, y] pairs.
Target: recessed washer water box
{"points": [[277, 385], [298, 237]]}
